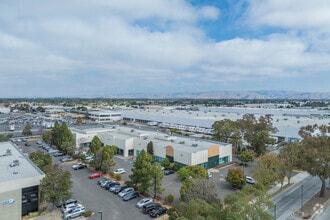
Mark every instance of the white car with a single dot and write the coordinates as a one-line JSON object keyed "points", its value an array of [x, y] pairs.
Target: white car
{"points": [[209, 174], [119, 171], [78, 166], [143, 202], [250, 180], [75, 212], [69, 207]]}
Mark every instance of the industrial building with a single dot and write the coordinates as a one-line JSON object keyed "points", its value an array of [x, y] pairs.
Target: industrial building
{"points": [[19, 183], [104, 116], [182, 150]]}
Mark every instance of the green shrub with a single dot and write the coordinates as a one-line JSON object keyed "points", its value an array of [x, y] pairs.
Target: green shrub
{"points": [[117, 177], [169, 198], [88, 213]]}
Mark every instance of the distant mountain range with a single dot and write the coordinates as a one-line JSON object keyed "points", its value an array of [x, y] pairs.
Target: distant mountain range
{"points": [[247, 95]]}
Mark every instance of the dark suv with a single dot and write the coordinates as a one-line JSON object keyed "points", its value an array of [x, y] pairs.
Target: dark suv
{"points": [[146, 209]]}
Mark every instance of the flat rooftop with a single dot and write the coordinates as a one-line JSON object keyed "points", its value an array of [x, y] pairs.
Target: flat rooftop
{"points": [[25, 170], [185, 144]]}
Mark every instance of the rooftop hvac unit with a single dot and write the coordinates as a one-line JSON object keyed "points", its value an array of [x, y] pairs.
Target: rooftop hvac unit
{"points": [[194, 145]]}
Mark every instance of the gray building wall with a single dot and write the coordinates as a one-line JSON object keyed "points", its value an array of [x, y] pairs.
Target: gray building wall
{"points": [[12, 210]]}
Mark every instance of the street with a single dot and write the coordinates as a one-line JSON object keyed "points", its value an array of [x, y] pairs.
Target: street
{"points": [[288, 201]]}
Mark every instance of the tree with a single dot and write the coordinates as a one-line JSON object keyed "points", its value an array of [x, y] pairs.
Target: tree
{"points": [[315, 158], [166, 163], [200, 189], [56, 134], [95, 146], [259, 141], [65, 137], [108, 153], [141, 175], [41, 159], [267, 170], [56, 185], [79, 121], [40, 109], [27, 130], [189, 172], [288, 160], [256, 132], [248, 203], [227, 131], [246, 156], [150, 148], [157, 176], [47, 137], [236, 177], [195, 209]]}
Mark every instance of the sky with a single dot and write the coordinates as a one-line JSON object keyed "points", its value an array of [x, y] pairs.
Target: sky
{"points": [[93, 48]]}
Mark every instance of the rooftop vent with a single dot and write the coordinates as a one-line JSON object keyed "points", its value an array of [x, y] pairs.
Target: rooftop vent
{"points": [[8, 153], [194, 145], [181, 142]]}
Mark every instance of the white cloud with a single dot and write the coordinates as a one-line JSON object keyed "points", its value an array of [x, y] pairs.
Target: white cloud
{"points": [[156, 44], [293, 14]]}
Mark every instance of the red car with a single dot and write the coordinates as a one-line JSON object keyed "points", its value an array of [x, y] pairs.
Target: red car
{"points": [[95, 175]]}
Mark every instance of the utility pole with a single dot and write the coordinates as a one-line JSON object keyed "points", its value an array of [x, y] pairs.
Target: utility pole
{"points": [[274, 211]]}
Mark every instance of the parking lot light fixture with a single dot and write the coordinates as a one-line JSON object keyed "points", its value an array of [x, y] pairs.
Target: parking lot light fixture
{"points": [[100, 212]]}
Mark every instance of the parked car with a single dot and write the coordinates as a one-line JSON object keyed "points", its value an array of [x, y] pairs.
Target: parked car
{"points": [[119, 171], [250, 180], [125, 192], [131, 195], [52, 151], [155, 213], [104, 183], [147, 208], [58, 154], [76, 212], [78, 166], [209, 174], [27, 144], [66, 159], [111, 184], [95, 175], [120, 189], [143, 202], [67, 202], [168, 172], [101, 180], [67, 207], [115, 188]]}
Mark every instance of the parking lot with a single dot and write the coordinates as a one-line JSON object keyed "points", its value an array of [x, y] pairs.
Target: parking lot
{"points": [[95, 198], [91, 195]]}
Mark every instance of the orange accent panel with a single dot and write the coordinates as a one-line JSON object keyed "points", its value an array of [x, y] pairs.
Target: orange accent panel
{"points": [[169, 151], [213, 151]]}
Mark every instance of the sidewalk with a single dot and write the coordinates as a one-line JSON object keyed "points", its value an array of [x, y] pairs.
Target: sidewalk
{"points": [[294, 180]]}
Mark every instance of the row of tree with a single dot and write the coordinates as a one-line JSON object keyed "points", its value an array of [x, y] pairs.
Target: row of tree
{"points": [[250, 129], [312, 154]]}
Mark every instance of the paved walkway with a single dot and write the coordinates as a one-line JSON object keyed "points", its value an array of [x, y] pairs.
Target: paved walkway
{"points": [[294, 180]]}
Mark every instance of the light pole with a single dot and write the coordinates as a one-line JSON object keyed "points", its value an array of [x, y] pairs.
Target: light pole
{"points": [[101, 214], [275, 211], [302, 200]]}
